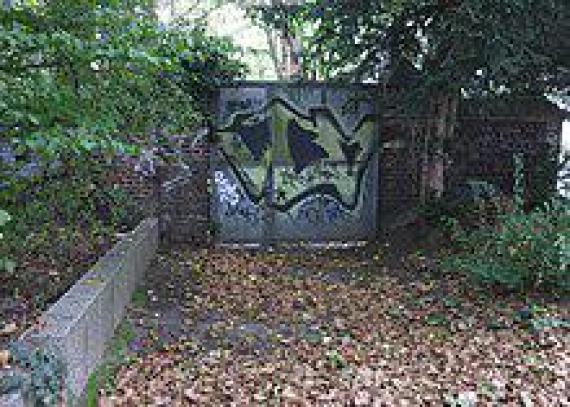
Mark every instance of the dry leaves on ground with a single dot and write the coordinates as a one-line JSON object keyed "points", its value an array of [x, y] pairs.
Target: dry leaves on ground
{"points": [[329, 328]]}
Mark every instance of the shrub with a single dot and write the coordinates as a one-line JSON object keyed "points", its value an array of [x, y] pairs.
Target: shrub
{"points": [[522, 251], [518, 251], [473, 204], [59, 228], [5, 263]]}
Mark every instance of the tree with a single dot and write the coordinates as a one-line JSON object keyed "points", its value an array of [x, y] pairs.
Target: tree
{"points": [[81, 76], [458, 48], [81, 82]]}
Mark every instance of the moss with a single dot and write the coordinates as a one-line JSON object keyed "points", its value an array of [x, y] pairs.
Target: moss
{"points": [[117, 355], [139, 299]]}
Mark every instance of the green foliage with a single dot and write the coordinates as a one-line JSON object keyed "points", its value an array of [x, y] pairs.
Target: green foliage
{"points": [[477, 46], [4, 218], [435, 319], [444, 213], [522, 250], [5, 263], [80, 83], [80, 77], [61, 226], [336, 359], [139, 299], [103, 69], [117, 357], [545, 323], [525, 251]]}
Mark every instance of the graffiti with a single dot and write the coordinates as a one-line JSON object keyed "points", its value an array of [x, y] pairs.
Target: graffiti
{"points": [[301, 141], [321, 210], [304, 165], [232, 201], [228, 193], [303, 148]]}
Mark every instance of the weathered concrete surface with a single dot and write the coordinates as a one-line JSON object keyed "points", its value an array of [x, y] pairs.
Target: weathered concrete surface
{"points": [[78, 326]]}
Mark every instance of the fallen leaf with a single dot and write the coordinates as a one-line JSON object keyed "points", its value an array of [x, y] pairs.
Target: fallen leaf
{"points": [[4, 358], [9, 329]]}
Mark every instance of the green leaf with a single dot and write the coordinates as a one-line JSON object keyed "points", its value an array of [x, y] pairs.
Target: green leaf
{"points": [[435, 319], [8, 265], [336, 359], [450, 302], [544, 323], [4, 217]]}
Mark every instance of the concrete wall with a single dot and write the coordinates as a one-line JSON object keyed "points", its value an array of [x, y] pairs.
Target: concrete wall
{"points": [[80, 324]]}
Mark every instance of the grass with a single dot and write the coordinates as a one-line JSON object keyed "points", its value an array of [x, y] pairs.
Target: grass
{"points": [[117, 355], [139, 299]]}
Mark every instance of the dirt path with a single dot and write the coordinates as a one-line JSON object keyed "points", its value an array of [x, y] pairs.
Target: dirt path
{"points": [[222, 327]]}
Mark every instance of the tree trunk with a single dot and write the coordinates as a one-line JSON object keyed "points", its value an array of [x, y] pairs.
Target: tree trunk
{"points": [[273, 53], [437, 165], [443, 119], [424, 191]]}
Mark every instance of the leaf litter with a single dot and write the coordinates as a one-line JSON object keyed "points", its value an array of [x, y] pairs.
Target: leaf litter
{"points": [[334, 327]]}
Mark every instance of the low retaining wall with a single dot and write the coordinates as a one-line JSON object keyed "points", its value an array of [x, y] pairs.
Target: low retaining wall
{"points": [[79, 325]]}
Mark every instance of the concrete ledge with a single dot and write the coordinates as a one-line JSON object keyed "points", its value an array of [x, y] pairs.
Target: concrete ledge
{"points": [[79, 325]]}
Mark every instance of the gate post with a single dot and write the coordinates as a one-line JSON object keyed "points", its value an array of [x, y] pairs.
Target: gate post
{"points": [[269, 196]]}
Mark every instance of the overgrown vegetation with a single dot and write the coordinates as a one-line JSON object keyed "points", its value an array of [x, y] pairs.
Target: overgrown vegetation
{"points": [[522, 251], [476, 47], [443, 53], [516, 250], [83, 86], [59, 229], [117, 356], [79, 80]]}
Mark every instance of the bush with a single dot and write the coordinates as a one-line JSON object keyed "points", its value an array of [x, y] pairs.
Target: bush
{"points": [[59, 227], [473, 204], [521, 251]]}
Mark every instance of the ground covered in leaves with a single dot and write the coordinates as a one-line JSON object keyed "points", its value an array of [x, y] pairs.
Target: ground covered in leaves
{"points": [[222, 327]]}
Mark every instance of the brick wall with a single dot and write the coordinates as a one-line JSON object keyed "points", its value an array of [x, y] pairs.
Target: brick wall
{"points": [[176, 184], [482, 148], [171, 181], [400, 168], [183, 194], [139, 184]]}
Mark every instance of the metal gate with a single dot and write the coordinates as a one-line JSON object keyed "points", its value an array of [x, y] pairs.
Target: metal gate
{"points": [[295, 162]]}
